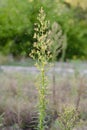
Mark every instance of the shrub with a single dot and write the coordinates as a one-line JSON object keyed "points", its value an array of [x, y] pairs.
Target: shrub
{"points": [[68, 118]]}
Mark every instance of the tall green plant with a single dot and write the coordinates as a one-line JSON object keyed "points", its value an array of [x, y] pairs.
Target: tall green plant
{"points": [[59, 41], [41, 53], [58, 47]]}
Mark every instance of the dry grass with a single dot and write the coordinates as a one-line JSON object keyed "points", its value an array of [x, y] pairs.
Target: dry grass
{"points": [[18, 96]]}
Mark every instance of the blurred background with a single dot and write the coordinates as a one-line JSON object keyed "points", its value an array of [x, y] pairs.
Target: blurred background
{"points": [[17, 20]]}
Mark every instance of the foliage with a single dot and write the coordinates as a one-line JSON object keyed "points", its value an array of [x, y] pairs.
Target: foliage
{"points": [[14, 24], [58, 48], [17, 19], [77, 40], [41, 52], [68, 118], [59, 42], [74, 22]]}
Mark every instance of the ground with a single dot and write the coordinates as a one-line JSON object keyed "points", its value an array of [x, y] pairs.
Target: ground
{"points": [[18, 93]]}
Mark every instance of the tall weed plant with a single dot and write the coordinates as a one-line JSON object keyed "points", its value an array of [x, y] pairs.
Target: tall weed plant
{"points": [[68, 118], [42, 54], [58, 47]]}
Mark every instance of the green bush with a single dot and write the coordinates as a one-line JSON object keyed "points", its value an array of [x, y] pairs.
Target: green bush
{"points": [[15, 26], [77, 37]]}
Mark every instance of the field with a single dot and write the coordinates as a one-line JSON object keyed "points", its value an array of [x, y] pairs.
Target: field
{"points": [[19, 97]]}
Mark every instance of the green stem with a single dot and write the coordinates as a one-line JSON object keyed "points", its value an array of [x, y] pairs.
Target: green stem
{"points": [[42, 105]]}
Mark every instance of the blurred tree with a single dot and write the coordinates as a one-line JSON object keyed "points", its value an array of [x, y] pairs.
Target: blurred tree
{"points": [[18, 17], [82, 3], [77, 35], [15, 26], [74, 24]]}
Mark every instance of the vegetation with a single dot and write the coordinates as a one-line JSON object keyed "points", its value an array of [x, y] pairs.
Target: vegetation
{"points": [[46, 43], [19, 89], [68, 118], [18, 17], [42, 53]]}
